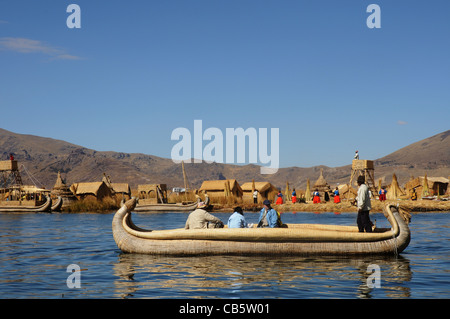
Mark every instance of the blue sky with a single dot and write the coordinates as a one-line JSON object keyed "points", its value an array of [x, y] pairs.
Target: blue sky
{"points": [[137, 70]]}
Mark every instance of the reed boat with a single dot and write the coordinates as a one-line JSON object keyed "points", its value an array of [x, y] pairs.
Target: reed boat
{"points": [[295, 239], [22, 207], [177, 207], [159, 202], [16, 197], [56, 207]]}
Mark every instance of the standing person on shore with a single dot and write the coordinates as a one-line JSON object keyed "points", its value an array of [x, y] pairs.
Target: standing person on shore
{"points": [[269, 217], [337, 198], [364, 207], [382, 194], [316, 197], [294, 196], [279, 200], [255, 197]]}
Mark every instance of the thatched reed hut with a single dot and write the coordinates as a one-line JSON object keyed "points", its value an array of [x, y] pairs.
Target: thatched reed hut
{"points": [[426, 186], [121, 190], [321, 185], [97, 190], [61, 189], [222, 188], [265, 191], [448, 188], [438, 185]]}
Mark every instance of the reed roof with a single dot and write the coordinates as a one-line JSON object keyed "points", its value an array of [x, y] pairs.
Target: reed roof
{"points": [[88, 188], [259, 186], [121, 188], [433, 180], [321, 182], [32, 189], [59, 182], [219, 185]]}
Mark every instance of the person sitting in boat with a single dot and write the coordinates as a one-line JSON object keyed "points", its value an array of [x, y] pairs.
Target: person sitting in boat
{"points": [[316, 197], [200, 218], [414, 195], [279, 198], [337, 198], [237, 220], [269, 217]]}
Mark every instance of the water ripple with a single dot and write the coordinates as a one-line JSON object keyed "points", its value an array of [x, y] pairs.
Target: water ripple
{"points": [[35, 250]]}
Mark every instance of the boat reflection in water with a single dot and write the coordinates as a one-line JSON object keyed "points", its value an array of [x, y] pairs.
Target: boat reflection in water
{"points": [[257, 277]]}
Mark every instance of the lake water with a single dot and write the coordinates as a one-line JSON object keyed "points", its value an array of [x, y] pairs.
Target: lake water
{"points": [[36, 249]]}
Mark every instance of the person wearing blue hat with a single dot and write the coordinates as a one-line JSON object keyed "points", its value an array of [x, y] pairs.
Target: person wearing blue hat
{"points": [[269, 217]]}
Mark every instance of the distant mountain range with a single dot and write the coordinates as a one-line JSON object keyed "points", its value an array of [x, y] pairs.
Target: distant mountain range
{"points": [[41, 158]]}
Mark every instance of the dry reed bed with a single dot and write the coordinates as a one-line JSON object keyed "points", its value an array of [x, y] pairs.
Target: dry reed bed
{"points": [[377, 206], [93, 205]]}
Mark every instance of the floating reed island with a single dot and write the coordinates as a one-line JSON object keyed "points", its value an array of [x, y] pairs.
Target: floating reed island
{"points": [[420, 194], [377, 206]]}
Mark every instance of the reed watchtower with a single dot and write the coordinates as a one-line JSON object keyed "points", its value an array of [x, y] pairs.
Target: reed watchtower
{"points": [[364, 168], [9, 174]]}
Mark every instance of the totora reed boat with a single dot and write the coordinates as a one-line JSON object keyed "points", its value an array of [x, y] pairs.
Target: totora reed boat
{"points": [[295, 239], [24, 207]]}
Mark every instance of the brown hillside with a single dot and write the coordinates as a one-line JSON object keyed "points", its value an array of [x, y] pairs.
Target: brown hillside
{"points": [[43, 157]]}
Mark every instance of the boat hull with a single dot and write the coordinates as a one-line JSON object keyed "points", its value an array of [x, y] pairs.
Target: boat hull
{"points": [[294, 240], [46, 207]]}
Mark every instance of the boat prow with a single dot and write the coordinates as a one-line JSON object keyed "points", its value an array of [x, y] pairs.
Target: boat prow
{"points": [[56, 207], [295, 239]]}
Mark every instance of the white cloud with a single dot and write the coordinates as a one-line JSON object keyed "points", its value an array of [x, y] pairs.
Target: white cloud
{"points": [[23, 45], [401, 122], [67, 57]]}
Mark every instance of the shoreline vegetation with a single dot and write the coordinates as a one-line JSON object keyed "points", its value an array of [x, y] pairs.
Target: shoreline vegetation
{"points": [[92, 205]]}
